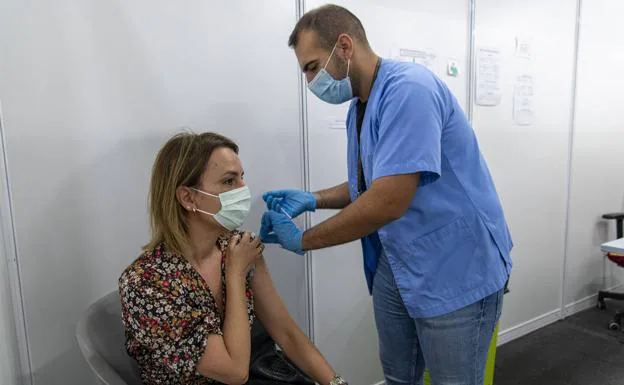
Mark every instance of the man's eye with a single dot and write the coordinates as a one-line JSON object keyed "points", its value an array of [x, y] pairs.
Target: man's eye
{"points": [[229, 182]]}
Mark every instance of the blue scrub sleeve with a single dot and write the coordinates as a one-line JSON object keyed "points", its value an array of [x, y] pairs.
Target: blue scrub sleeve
{"points": [[410, 133]]}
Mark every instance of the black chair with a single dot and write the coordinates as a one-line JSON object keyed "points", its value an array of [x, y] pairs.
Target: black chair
{"points": [[616, 322]]}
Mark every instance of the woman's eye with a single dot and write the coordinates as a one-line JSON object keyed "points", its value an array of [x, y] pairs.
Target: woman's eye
{"points": [[229, 182]]}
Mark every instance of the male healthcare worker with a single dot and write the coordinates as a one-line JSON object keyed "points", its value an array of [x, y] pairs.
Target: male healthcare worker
{"points": [[420, 197]]}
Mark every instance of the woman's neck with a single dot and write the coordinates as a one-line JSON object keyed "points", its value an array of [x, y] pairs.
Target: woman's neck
{"points": [[202, 243]]}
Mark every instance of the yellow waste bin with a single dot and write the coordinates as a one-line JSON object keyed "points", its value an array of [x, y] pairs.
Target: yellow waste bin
{"points": [[489, 366]]}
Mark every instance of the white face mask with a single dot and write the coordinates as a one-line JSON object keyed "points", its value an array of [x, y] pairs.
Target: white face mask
{"points": [[235, 206]]}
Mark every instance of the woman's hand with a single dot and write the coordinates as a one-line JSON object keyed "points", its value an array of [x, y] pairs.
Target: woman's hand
{"points": [[243, 253], [227, 357]]}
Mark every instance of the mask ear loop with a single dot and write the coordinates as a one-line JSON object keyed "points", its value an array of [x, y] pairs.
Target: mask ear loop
{"points": [[196, 210], [205, 193], [330, 56]]}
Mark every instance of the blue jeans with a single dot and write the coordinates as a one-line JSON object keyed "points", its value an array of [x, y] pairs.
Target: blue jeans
{"points": [[453, 347]]}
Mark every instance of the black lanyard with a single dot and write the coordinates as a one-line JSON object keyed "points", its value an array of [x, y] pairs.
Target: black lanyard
{"points": [[360, 111]]}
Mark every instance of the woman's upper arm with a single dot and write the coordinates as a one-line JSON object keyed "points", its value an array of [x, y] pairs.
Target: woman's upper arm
{"points": [[270, 308]]}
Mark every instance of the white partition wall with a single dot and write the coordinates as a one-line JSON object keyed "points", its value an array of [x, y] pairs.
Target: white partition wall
{"points": [[597, 183], [344, 324], [529, 163], [90, 90]]}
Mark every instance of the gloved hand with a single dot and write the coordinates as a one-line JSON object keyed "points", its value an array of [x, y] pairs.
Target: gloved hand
{"points": [[278, 228], [293, 202]]}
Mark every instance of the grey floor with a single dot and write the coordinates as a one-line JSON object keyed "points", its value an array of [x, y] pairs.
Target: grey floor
{"points": [[580, 350]]}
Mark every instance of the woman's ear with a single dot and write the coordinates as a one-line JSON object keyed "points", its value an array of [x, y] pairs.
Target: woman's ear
{"points": [[185, 198]]}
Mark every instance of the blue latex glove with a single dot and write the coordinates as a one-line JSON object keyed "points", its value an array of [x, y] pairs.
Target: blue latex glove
{"points": [[278, 228], [290, 202]]}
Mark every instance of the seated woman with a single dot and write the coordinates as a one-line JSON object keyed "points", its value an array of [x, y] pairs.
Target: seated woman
{"points": [[190, 299]]}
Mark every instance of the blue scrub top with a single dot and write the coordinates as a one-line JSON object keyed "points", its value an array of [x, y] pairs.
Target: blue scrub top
{"points": [[452, 246]]}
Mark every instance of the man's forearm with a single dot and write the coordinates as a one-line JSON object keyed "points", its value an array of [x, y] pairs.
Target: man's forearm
{"points": [[386, 200], [336, 197], [357, 220]]}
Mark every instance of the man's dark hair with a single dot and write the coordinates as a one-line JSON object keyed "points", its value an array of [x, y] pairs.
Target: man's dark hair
{"points": [[329, 22]]}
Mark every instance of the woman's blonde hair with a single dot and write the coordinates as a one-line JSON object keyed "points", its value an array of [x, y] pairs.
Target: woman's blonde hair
{"points": [[180, 162]]}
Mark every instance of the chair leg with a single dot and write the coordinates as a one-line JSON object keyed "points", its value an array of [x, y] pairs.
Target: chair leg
{"points": [[601, 300]]}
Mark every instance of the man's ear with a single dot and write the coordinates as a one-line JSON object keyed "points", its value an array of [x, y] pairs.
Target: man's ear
{"points": [[344, 46], [185, 198]]}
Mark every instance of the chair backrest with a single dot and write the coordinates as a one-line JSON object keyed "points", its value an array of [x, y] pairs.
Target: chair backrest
{"points": [[101, 338]]}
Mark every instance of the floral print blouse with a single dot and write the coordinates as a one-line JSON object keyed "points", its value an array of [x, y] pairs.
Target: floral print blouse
{"points": [[168, 312]]}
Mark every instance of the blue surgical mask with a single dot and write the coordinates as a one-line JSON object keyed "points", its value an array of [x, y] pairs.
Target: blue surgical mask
{"points": [[329, 89], [235, 206]]}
